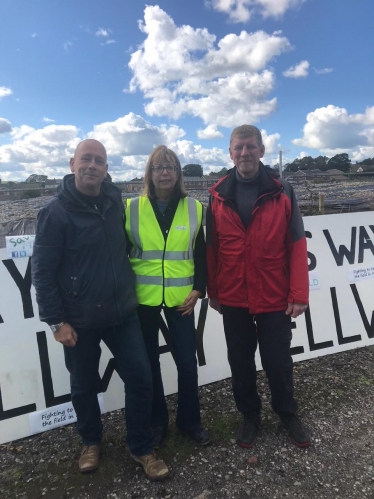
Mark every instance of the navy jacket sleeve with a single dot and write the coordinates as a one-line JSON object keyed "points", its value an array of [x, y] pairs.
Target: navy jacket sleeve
{"points": [[46, 258]]}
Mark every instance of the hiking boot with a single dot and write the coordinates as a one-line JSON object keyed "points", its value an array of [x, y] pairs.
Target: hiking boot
{"points": [[159, 435], [247, 431], [89, 458], [298, 433], [199, 435], [153, 466]]}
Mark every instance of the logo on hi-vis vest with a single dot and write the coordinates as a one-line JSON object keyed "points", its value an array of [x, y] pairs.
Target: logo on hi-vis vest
{"points": [[180, 227]]}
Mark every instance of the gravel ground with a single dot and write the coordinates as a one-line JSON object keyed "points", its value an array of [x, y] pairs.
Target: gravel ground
{"points": [[335, 395]]}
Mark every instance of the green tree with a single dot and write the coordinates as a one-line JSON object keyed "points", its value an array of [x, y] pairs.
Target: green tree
{"points": [[192, 170], [340, 162], [221, 172]]}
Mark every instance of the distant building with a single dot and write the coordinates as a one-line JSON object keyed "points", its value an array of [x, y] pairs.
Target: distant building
{"points": [[336, 175]]}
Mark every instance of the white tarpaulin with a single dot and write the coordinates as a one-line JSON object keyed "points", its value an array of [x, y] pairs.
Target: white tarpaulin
{"points": [[33, 378]]}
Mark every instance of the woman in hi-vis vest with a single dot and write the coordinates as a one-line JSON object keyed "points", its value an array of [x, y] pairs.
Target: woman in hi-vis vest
{"points": [[167, 253]]}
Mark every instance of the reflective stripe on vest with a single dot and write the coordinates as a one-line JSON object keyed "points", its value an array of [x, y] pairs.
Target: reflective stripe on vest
{"points": [[164, 271]]}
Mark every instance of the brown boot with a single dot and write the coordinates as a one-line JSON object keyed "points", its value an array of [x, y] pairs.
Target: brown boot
{"points": [[154, 467], [89, 459]]}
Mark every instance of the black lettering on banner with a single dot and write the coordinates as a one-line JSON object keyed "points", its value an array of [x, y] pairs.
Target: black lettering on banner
{"points": [[103, 382], [341, 339], [296, 350], [199, 334], [364, 242], [343, 250], [309, 329], [369, 327], [17, 411], [23, 284], [1, 320], [49, 394], [313, 260]]}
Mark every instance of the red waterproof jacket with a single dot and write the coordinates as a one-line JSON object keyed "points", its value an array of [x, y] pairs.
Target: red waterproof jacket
{"points": [[265, 266]]}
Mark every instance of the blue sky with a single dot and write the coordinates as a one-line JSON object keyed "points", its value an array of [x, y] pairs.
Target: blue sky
{"points": [[184, 74]]}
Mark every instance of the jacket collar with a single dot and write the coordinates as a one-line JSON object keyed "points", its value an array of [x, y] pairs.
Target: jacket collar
{"points": [[224, 189], [66, 192]]}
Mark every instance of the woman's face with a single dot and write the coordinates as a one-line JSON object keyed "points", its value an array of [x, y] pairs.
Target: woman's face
{"points": [[164, 177]]}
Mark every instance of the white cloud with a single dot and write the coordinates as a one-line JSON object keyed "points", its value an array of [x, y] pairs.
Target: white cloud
{"points": [[210, 132], [323, 71], [128, 140], [67, 45], [180, 71], [48, 120], [333, 130], [33, 35], [109, 42], [103, 32], [5, 92], [242, 10], [270, 142], [45, 150], [5, 126], [298, 71]]}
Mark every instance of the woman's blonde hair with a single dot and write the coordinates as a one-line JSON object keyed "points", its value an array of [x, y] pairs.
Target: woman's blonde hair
{"points": [[159, 156]]}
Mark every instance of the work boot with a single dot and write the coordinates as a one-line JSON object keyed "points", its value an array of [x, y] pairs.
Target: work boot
{"points": [[298, 433], [89, 458], [247, 431], [199, 435], [154, 467]]}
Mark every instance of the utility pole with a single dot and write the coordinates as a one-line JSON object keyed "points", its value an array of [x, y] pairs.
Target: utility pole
{"points": [[280, 164]]}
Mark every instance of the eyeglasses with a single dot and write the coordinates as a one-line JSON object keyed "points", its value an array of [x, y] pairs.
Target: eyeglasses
{"points": [[160, 169]]}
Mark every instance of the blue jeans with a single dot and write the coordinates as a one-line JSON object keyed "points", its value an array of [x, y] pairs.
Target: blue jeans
{"points": [[183, 348], [82, 361]]}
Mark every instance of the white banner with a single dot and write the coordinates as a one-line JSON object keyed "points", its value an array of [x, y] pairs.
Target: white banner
{"points": [[33, 377]]}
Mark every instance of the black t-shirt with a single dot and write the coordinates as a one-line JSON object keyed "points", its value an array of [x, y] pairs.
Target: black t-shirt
{"points": [[94, 202]]}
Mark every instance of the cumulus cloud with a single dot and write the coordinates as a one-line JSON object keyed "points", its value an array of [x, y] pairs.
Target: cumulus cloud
{"points": [[128, 140], [45, 151], [240, 11], [5, 92], [298, 71], [210, 132], [270, 142], [333, 130], [103, 32], [323, 71], [48, 120], [182, 70], [5, 126]]}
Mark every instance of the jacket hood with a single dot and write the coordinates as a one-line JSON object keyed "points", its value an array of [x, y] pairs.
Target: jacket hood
{"points": [[224, 189]]}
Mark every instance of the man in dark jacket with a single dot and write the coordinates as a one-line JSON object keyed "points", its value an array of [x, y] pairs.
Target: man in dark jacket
{"points": [[258, 280], [85, 292]]}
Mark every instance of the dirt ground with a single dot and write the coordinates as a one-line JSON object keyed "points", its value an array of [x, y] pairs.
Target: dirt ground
{"points": [[335, 393]]}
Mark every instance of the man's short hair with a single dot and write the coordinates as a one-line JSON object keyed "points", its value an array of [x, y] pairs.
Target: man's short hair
{"points": [[244, 131]]}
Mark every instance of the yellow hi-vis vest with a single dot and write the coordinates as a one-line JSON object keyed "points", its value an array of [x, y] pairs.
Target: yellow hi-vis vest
{"points": [[164, 270]]}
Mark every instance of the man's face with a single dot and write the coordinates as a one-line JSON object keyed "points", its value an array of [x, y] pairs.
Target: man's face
{"points": [[246, 154], [90, 167]]}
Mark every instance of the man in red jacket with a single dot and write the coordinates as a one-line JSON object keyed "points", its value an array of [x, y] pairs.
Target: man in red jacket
{"points": [[258, 280]]}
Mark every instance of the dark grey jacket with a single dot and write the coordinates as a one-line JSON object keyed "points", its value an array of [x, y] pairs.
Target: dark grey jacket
{"points": [[80, 267]]}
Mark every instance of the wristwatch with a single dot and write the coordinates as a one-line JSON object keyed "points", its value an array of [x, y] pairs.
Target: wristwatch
{"points": [[56, 327]]}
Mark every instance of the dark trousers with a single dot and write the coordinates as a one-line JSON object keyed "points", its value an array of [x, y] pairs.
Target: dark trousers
{"points": [[183, 346], [82, 361], [272, 332]]}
